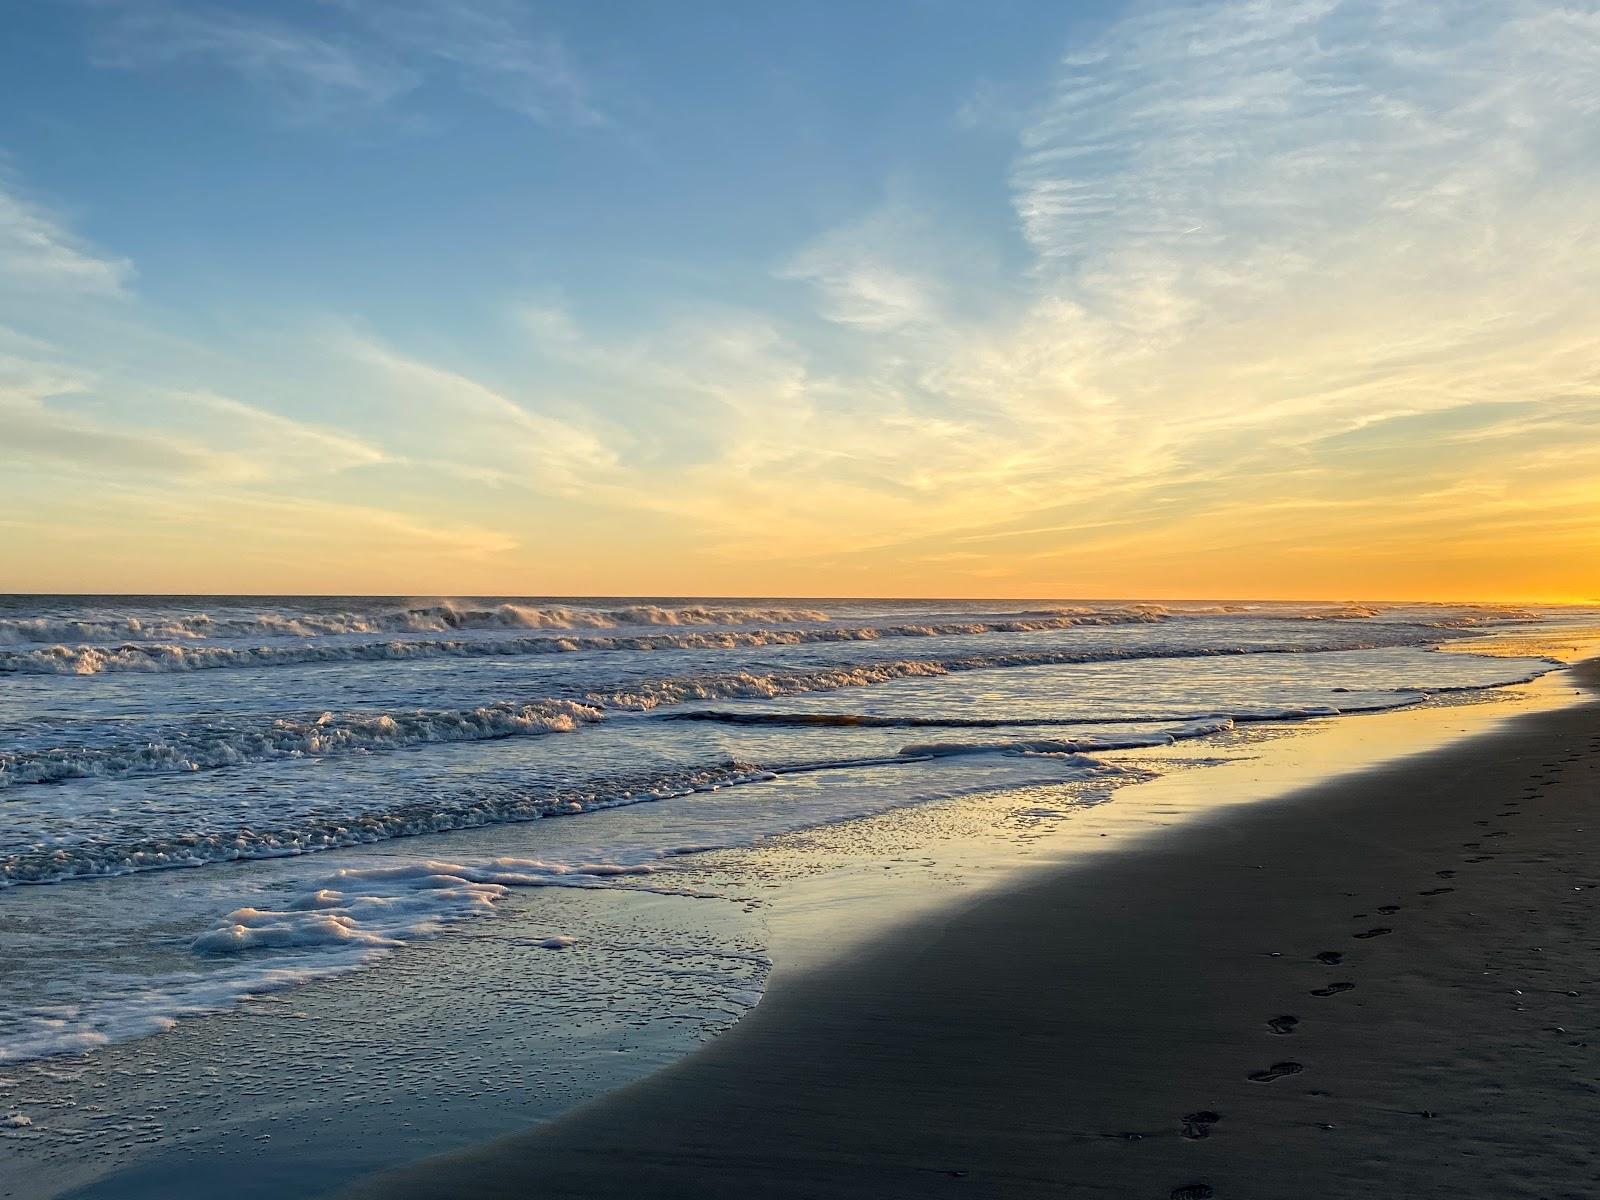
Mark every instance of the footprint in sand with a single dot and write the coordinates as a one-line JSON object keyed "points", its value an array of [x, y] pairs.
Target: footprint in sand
{"points": [[1193, 1191], [1386, 909], [1445, 874], [1197, 1125], [1375, 931], [1284, 1024], [1331, 957], [1333, 989], [1277, 1070], [1436, 891]]}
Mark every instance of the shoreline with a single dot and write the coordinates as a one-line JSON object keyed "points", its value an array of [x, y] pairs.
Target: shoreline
{"points": [[967, 1052]]}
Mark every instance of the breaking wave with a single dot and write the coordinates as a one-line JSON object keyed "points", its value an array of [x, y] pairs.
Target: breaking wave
{"points": [[165, 657], [430, 618]]}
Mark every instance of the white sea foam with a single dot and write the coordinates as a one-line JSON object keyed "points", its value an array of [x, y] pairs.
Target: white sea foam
{"points": [[383, 907], [349, 920], [123, 1014]]}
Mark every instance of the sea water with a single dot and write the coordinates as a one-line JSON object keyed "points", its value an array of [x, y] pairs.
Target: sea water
{"points": [[208, 801]]}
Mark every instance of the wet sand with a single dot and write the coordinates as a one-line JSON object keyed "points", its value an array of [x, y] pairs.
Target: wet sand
{"points": [[1380, 986]]}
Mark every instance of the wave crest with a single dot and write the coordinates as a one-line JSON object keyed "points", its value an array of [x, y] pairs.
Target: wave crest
{"points": [[441, 617]]}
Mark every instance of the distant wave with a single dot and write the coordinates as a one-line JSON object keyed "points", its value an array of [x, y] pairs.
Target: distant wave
{"points": [[1464, 616], [155, 657], [448, 616], [1343, 612], [431, 618], [46, 646], [1480, 617]]}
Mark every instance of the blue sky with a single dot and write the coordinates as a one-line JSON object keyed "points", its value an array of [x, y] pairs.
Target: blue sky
{"points": [[1252, 298], [343, 154]]}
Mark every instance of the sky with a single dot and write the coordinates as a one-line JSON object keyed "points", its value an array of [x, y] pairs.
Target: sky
{"points": [[1253, 299]]}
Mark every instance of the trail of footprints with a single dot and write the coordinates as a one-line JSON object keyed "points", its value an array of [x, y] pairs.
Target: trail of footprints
{"points": [[1198, 1125]]}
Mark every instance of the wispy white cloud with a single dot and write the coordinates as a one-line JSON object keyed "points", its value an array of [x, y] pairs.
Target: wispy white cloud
{"points": [[457, 421], [282, 445], [39, 254], [872, 274], [360, 55], [1255, 227], [36, 426], [494, 49], [54, 411], [308, 73]]}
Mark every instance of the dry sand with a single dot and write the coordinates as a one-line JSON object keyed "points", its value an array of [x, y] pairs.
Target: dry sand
{"points": [[1382, 986]]}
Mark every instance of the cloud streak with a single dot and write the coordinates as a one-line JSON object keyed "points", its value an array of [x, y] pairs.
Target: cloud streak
{"points": [[359, 57], [479, 431], [38, 254]]}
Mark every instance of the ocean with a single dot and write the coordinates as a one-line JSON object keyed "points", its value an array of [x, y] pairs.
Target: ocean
{"points": [[211, 803]]}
